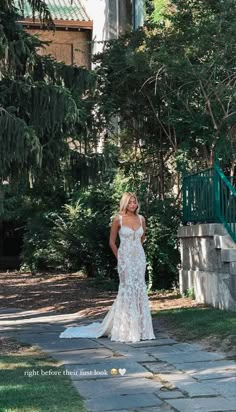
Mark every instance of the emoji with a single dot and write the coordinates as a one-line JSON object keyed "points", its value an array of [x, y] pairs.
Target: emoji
{"points": [[114, 371]]}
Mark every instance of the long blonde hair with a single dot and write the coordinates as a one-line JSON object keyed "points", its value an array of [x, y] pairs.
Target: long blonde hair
{"points": [[125, 201]]}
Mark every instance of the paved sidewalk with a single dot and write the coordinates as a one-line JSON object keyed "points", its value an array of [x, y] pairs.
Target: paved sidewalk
{"points": [[148, 376]]}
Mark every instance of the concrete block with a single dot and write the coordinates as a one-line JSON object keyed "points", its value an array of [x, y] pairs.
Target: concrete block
{"points": [[202, 230], [223, 242], [208, 256], [232, 268], [213, 288], [200, 254], [228, 255]]}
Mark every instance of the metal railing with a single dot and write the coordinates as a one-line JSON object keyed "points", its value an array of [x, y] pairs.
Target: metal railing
{"points": [[210, 197]]}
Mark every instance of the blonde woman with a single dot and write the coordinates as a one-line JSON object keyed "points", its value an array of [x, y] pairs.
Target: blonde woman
{"points": [[129, 318]]}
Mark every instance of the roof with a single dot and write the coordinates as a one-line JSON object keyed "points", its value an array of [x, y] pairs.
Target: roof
{"points": [[68, 10]]}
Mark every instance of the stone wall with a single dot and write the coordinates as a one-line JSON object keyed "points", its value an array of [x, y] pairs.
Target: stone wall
{"points": [[208, 257]]}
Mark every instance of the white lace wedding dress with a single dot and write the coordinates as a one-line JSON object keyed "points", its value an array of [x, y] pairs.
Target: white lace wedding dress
{"points": [[129, 318]]}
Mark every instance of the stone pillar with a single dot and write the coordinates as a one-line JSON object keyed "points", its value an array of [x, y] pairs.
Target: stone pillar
{"points": [[208, 264]]}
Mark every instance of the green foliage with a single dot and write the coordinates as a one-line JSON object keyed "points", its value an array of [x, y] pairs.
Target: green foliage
{"points": [[159, 11], [163, 97], [163, 256], [20, 139], [189, 293], [75, 237], [44, 105]]}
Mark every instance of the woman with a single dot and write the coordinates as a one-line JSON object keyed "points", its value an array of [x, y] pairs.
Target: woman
{"points": [[129, 319]]}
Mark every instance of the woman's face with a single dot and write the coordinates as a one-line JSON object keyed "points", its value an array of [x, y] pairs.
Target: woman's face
{"points": [[132, 205]]}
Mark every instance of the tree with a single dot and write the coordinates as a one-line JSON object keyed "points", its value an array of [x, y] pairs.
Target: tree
{"points": [[34, 140]]}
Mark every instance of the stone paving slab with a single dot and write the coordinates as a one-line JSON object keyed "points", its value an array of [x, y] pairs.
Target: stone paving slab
{"points": [[232, 399], [206, 367], [188, 347], [161, 375], [157, 342], [86, 356], [158, 367], [165, 349], [163, 408], [225, 387], [130, 352], [43, 328], [33, 317], [124, 386], [196, 356], [34, 336], [176, 378], [214, 375], [57, 344], [7, 311], [194, 389], [217, 404], [120, 402], [131, 368], [171, 394]]}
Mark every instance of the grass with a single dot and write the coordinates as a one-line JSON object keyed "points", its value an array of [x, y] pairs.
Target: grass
{"points": [[25, 385], [201, 323]]}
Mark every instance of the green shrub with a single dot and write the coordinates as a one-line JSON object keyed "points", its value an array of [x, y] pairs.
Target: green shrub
{"points": [[76, 237], [163, 257]]}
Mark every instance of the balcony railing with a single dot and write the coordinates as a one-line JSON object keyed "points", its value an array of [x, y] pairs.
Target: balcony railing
{"points": [[210, 197]]}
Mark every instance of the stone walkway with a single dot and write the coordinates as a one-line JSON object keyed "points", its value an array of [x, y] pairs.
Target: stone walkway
{"points": [[149, 376]]}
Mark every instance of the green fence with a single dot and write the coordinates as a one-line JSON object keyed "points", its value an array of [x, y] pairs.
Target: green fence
{"points": [[210, 197]]}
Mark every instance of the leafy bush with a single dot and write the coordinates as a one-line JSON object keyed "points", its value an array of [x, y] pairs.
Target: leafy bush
{"points": [[74, 238], [163, 256]]}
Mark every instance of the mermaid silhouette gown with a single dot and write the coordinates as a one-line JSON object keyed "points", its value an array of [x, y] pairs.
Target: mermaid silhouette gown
{"points": [[129, 318]]}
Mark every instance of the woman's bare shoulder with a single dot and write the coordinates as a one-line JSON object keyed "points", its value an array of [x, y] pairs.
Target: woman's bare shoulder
{"points": [[116, 219]]}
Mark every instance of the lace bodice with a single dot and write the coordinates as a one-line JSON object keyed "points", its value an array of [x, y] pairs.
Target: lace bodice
{"points": [[131, 255]]}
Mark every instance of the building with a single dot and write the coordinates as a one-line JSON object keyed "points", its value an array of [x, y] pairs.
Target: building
{"points": [[82, 27], [71, 39], [111, 18]]}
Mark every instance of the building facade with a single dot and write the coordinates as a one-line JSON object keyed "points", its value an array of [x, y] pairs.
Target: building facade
{"points": [[111, 18], [82, 27], [70, 42]]}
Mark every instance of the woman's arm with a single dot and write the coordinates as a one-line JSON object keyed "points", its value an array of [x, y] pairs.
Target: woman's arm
{"points": [[144, 229], [113, 235]]}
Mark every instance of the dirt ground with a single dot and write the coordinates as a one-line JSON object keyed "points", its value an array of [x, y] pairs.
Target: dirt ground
{"points": [[69, 293]]}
